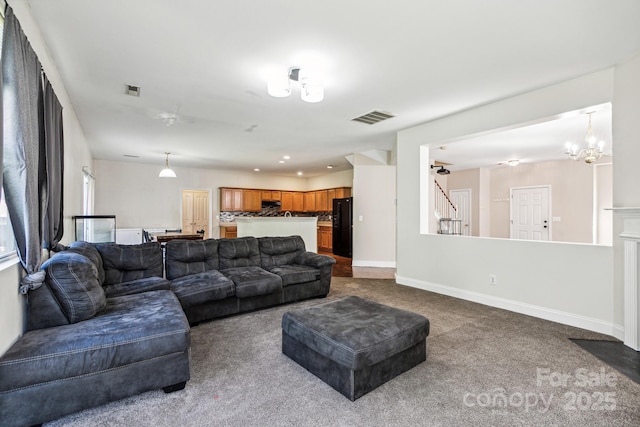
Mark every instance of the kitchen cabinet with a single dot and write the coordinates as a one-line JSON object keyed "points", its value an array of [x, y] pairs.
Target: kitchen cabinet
{"points": [[231, 200], [325, 238], [331, 194], [310, 201], [298, 202], [321, 201], [343, 192], [227, 232], [286, 200], [251, 200], [271, 195]]}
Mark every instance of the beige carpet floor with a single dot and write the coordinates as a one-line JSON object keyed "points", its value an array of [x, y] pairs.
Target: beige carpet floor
{"points": [[485, 367]]}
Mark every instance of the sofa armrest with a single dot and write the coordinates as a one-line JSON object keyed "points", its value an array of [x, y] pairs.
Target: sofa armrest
{"points": [[314, 260]]}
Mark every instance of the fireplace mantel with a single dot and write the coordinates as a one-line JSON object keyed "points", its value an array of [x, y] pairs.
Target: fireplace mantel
{"points": [[631, 238]]}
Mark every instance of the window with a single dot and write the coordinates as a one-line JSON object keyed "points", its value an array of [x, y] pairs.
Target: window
{"points": [[7, 240]]}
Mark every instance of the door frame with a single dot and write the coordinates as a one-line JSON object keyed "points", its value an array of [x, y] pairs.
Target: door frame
{"points": [[210, 203], [548, 187]]}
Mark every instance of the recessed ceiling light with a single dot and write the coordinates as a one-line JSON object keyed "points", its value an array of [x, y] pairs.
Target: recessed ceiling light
{"points": [[280, 161], [329, 166], [300, 173], [256, 170], [286, 157]]}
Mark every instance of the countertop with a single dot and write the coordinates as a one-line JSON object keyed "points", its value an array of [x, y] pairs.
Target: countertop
{"points": [[235, 224]]}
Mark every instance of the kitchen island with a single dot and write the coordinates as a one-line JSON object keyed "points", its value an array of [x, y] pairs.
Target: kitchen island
{"points": [[305, 227]]}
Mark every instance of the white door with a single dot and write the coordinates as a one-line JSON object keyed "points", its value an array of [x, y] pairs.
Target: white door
{"points": [[530, 213], [195, 212], [461, 199]]}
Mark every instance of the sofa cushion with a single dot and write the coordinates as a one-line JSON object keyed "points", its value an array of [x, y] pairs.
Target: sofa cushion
{"points": [[253, 281], [89, 250], [73, 289], [240, 252], [130, 329], [124, 263], [295, 274], [184, 257], [199, 288], [277, 251], [136, 286]]}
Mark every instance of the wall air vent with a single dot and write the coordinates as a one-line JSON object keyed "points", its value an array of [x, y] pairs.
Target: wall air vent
{"points": [[373, 117], [133, 90]]}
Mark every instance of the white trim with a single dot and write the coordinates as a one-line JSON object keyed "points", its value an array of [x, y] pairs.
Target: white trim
{"points": [[382, 264], [566, 318], [9, 261]]}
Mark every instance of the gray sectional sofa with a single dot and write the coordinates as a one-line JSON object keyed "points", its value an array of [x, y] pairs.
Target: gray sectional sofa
{"points": [[214, 278], [106, 324], [103, 326]]}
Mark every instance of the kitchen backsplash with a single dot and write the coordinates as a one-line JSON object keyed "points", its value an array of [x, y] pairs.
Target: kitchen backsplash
{"points": [[272, 212]]}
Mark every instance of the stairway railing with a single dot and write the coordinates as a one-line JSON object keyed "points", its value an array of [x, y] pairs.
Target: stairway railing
{"points": [[444, 207]]}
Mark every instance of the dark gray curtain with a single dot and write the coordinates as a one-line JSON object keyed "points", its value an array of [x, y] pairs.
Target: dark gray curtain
{"points": [[53, 225], [24, 154]]}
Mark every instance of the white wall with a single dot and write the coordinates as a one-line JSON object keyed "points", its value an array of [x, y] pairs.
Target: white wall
{"points": [[374, 200], [570, 283], [76, 155], [331, 180]]}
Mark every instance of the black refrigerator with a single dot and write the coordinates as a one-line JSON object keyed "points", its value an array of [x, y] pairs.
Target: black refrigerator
{"points": [[342, 226]]}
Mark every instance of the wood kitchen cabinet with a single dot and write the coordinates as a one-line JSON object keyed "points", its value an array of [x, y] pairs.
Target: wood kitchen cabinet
{"points": [[325, 239], [251, 200], [292, 201], [298, 202], [231, 200], [228, 232], [271, 195], [331, 194], [286, 201], [343, 192], [321, 201], [310, 201]]}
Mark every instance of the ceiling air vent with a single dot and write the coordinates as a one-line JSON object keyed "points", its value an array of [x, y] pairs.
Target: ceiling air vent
{"points": [[133, 90], [373, 117]]}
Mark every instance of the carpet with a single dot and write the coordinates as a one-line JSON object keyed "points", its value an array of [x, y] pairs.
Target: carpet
{"points": [[484, 367]]}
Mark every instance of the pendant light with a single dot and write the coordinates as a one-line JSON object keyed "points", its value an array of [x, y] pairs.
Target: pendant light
{"points": [[167, 172]]}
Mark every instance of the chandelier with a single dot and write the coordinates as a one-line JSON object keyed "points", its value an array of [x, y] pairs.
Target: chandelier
{"points": [[592, 152]]}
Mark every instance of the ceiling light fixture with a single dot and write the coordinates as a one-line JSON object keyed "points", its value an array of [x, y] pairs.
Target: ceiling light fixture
{"points": [[311, 89], [514, 162], [594, 150], [442, 170], [167, 172]]}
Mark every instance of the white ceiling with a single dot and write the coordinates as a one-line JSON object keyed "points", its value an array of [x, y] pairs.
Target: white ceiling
{"points": [[205, 61]]}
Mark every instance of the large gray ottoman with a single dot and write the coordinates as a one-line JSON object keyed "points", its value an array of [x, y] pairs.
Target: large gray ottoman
{"points": [[354, 344]]}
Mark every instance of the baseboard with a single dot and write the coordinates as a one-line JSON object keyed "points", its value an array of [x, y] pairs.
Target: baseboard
{"points": [[566, 318], [380, 264]]}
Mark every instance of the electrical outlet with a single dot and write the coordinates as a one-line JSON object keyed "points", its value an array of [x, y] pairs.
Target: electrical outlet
{"points": [[492, 279]]}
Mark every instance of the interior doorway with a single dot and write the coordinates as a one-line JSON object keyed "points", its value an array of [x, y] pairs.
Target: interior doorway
{"points": [[195, 212], [461, 199], [530, 213]]}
